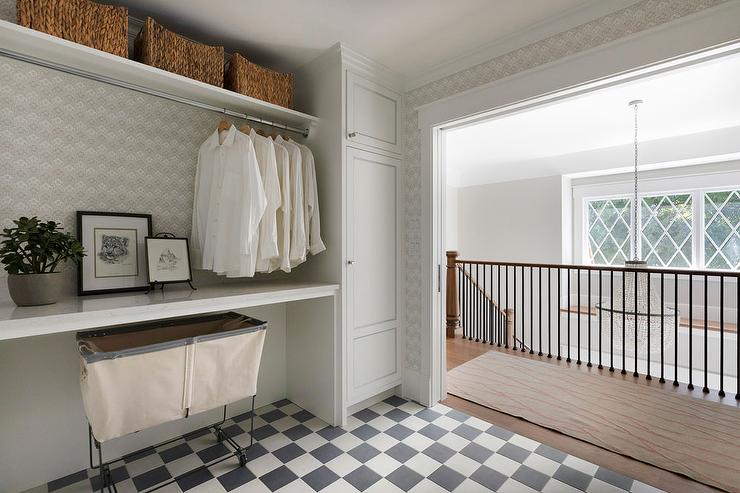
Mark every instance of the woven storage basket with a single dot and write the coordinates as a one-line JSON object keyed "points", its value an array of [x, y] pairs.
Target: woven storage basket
{"points": [[161, 48], [103, 27], [252, 80]]}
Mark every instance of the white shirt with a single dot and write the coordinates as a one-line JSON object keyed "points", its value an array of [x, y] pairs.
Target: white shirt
{"points": [[265, 246], [282, 262], [229, 201], [298, 239], [312, 221]]}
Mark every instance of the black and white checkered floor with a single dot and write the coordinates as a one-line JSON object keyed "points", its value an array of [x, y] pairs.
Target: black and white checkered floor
{"points": [[393, 446]]}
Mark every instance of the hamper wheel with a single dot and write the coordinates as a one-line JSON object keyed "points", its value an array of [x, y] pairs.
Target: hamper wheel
{"points": [[242, 459]]}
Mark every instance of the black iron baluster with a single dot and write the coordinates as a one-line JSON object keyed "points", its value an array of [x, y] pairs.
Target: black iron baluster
{"points": [[567, 310], [588, 273], [539, 286], [601, 284], [515, 312], [506, 320], [691, 329], [675, 330], [559, 317], [470, 302], [491, 306], [549, 313], [662, 327], [464, 294], [459, 294], [498, 297], [477, 303], [635, 374], [705, 389], [522, 347], [531, 310], [578, 317], [647, 357], [611, 321], [722, 336], [624, 322]]}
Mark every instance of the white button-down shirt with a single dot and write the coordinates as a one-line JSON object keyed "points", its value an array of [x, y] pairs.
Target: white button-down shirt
{"points": [[298, 237], [229, 201], [265, 246], [282, 262], [312, 221]]}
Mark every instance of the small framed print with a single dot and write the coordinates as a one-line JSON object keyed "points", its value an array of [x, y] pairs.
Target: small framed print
{"points": [[168, 260], [116, 260]]}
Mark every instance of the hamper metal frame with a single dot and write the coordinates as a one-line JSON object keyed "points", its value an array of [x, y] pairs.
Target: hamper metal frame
{"points": [[106, 478]]}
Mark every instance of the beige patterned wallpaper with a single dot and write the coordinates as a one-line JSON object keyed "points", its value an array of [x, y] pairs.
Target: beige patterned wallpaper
{"points": [[636, 18]]}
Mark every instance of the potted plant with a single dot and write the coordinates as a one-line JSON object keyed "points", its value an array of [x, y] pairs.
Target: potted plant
{"points": [[31, 251]]}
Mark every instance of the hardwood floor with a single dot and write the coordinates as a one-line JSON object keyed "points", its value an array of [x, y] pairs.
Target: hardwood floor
{"points": [[460, 351]]}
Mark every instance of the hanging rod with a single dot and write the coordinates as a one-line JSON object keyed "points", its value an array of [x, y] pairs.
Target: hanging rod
{"points": [[145, 90]]}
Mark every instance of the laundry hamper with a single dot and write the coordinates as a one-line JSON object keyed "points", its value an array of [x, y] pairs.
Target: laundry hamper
{"points": [[141, 375]]}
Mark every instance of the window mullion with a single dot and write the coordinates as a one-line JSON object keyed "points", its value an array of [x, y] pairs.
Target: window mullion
{"points": [[697, 226]]}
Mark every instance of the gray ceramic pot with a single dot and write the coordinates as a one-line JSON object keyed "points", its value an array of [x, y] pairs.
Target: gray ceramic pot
{"points": [[35, 289]]}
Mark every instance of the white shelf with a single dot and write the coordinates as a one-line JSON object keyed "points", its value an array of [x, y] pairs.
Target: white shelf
{"points": [[84, 312], [45, 48]]}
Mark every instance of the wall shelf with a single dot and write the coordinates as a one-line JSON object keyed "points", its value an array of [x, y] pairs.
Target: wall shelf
{"points": [[75, 313], [40, 48]]}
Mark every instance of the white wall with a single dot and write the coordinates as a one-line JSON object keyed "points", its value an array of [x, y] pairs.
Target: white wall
{"points": [[451, 218], [526, 211]]}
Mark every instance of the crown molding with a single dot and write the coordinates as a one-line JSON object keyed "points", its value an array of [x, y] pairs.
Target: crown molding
{"points": [[369, 68], [564, 21]]}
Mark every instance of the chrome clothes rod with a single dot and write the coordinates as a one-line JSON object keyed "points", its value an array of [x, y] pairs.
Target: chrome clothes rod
{"points": [[145, 90]]}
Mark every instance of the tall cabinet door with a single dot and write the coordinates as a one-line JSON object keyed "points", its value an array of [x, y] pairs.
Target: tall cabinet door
{"points": [[374, 338], [373, 114]]}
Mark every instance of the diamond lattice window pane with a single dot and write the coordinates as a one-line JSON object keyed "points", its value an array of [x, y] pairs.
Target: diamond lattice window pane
{"points": [[721, 225], [608, 228], [666, 230]]}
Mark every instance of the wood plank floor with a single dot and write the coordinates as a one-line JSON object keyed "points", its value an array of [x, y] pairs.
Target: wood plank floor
{"points": [[460, 351]]}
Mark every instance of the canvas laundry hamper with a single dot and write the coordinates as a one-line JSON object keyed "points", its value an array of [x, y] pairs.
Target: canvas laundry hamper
{"points": [[141, 375]]}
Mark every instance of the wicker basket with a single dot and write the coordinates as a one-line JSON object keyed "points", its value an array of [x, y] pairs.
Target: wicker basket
{"points": [[103, 27], [250, 79], [161, 48]]}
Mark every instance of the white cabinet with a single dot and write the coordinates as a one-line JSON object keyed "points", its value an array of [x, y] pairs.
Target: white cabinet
{"points": [[373, 114], [374, 335]]}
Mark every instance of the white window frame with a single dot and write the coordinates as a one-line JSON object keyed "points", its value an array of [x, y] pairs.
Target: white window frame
{"points": [[617, 186]]}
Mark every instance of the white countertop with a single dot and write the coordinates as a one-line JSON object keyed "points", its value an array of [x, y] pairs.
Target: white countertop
{"points": [[84, 312]]}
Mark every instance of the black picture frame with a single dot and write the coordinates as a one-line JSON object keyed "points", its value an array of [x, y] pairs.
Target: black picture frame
{"points": [[151, 281], [82, 289]]}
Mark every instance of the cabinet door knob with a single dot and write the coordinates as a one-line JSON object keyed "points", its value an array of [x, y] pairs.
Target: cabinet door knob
{"points": [[350, 262], [352, 135]]}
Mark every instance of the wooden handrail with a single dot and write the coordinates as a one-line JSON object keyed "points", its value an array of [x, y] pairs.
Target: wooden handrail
{"points": [[615, 268]]}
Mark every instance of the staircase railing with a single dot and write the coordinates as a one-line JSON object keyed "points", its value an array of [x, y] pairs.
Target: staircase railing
{"points": [[669, 323]]}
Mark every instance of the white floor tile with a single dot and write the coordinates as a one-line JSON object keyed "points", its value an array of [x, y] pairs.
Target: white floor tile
{"points": [[524, 442], [502, 464], [542, 464], [383, 464], [581, 465], [511, 486]]}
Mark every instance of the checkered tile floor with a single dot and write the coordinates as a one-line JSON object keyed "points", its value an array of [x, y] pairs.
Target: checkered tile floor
{"points": [[393, 446]]}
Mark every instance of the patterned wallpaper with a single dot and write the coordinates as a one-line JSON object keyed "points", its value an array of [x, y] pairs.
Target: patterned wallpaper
{"points": [[636, 18], [69, 144]]}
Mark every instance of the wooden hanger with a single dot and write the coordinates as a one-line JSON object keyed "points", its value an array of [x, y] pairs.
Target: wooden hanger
{"points": [[261, 132], [224, 125], [245, 129]]}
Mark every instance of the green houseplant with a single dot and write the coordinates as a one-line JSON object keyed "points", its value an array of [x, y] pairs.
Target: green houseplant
{"points": [[31, 251]]}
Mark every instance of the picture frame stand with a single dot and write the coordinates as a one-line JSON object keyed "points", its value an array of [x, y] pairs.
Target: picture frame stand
{"points": [[154, 283]]}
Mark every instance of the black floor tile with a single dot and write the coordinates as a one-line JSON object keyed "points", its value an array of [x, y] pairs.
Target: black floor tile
{"points": [[365, 432], [447, 478], [401, 452], [573, 477], [476, 452], [364, 452], [399, 432], [67, 480], [175, 452], [277, 478], [320, 478], [326, 452], [151, 478], [614, 478], [489, 478], [297, 432], [514, 452], [213, 452], [236, 478], [194, 479], [404, 478], [362, 478], [288, 453], [528, 476], [439, 452]]}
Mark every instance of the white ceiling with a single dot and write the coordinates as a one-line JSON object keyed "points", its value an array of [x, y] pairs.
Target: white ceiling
{"points": [[682, 112], [411, 37]]}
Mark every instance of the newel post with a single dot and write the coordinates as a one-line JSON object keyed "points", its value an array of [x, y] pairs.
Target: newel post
{"points": [[453, 305]]}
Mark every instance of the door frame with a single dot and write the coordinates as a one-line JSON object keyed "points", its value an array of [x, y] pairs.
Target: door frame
{"points": [[697, 38]]}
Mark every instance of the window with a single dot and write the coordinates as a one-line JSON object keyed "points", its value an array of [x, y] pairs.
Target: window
{"points": [[685, 229], [721, 236]]}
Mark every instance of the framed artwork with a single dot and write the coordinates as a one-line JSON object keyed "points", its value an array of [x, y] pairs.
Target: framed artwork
{"points": [[115, 246], [168, 260]]}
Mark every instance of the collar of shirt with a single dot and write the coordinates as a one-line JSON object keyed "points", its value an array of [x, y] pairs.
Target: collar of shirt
{"points": [[214, 140]]}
